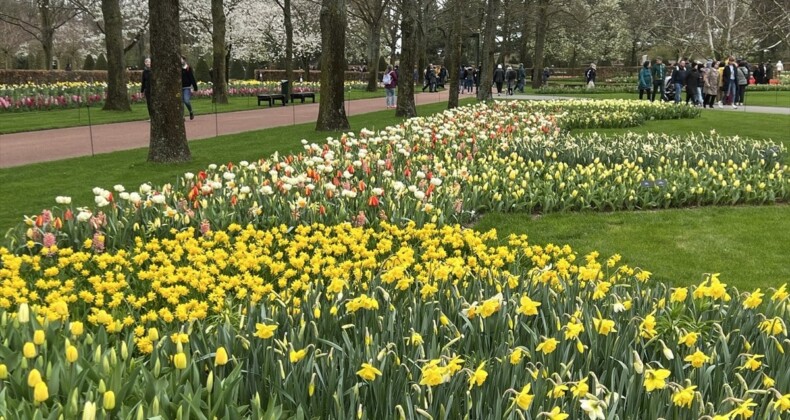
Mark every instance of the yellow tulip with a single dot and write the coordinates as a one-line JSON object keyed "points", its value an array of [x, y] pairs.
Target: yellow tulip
{"points": [[180, 360], [71, 354], [76, 328], [29, 350], [3, 371], [108, 401], [40, 392], [38, 337], [221, 357], [33, 378]]}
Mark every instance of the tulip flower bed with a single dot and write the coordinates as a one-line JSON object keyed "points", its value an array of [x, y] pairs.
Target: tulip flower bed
{"points": [[32, 97], [340, 283], [342, 321], [442, 169]]}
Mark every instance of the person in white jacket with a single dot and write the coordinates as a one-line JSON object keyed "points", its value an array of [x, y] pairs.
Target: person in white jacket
{"points": [[779, 68]]}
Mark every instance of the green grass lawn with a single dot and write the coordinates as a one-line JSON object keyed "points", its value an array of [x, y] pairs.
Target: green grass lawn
{"points": [[745, 244], [775, 98], [15, 122]]}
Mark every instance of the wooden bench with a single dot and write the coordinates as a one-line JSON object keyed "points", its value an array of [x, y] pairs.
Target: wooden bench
{"points": [[270, 98], [303, 96]]}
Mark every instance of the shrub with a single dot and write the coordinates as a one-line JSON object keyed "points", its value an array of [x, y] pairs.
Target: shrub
{"points": [[90, 63]]}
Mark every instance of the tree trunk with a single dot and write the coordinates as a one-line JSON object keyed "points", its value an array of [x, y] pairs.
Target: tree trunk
{"points": [[406, 107], [523, 52], [219, 80], [489, 38], [456, 16], [306, 67], [47, 32], [374, 50], [117, 94], [422, 40], [541, 26], [331, 114], [168, 138], [289, 46]]}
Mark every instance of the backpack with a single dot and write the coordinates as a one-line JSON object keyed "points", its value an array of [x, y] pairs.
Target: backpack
{"points": [[387, 79]]}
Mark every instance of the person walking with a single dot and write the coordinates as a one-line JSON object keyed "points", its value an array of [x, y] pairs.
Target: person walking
{"points": [[188, 83], [499, 79], [544, 79], [679, 75], [658, 72], [430, 79], [692, 82], [589, 76], [390, 81], [779, 68], [742, 75], [522, 78], [510, 76], [730, 82], [711, 85], [645, 80], [145, 86]]}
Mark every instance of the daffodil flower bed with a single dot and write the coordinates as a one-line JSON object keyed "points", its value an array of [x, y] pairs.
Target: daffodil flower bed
{"points": [[441, 169], [39, 97], [342, 321]]}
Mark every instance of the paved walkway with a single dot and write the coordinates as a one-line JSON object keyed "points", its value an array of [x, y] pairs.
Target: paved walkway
{"points": [[48, 145]]}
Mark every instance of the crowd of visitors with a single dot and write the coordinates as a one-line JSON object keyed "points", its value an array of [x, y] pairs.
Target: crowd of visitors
{"points": [[705, 83]]}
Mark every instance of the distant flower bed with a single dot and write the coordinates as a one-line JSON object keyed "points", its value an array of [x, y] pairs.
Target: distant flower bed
{"points": [[32, 97], [442, 169]]}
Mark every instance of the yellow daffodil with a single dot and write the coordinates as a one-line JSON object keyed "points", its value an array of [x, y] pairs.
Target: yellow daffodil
{"points": [[593, 408], [684, 397], [782, 403], [368, 372], [656, 379], [265, 331], [780, 293], [773, 326], [515, 357], [697, 359], [556, 414], [580, 389], [478, 376], [604, 326], [754, 300], [528, 306], [752, 363], [647, 329], [768, 381], [558, 391], [689, 339], [679, 295], [296, 356], [547, 346], [524, 398], [744, 410], [573, 329]]}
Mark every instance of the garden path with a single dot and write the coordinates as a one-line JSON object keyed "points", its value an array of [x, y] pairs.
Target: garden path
{"points": [[48, 145]]}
